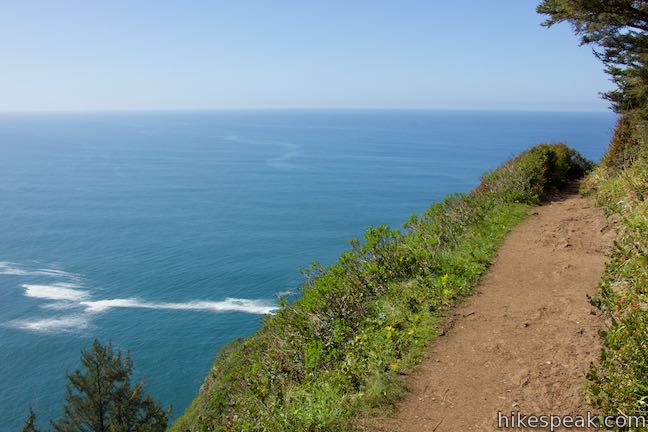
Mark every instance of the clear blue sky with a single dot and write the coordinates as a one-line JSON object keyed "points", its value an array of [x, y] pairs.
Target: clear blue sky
{"points": [[77, 55]]}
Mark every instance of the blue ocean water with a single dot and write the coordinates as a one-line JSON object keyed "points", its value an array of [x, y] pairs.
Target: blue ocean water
{"points": [[171, 233]]}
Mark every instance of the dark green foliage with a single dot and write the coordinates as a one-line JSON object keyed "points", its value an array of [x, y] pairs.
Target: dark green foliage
{"points": [[617, 28], [100, 397], [536, 173], [30, 423], [340, 349], [625, 144]]}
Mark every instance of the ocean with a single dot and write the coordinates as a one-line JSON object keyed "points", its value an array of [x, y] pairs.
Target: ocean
{"points": [[172, 233]]}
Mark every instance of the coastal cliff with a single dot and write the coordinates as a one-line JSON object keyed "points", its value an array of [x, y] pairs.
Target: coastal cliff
{"points": [[362, 323]]}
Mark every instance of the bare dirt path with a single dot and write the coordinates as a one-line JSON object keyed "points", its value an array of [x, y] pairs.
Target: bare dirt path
{"points": [[524, 341]]}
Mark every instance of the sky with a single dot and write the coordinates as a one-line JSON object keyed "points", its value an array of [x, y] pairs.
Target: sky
{"points": [[217, 54]]}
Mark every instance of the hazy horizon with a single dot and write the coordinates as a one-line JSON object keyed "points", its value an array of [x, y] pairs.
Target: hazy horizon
{"points": [[305, 108]]}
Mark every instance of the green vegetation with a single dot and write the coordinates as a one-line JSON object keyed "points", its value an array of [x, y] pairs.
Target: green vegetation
{"points": [[618, 384], [338, 352], [100, 398]]}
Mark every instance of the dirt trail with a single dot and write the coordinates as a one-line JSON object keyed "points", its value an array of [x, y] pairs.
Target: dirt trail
{"points": [[524, 341]]}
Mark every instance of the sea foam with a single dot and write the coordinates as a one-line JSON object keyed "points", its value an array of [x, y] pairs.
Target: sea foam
{"points": [[61, 324], [66, 291], [227, 305], [57, 291], [12, 269]]}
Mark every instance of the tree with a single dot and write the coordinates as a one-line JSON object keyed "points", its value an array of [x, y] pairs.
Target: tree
{"points": [[618, 29], [29, 425], [100, 397]]}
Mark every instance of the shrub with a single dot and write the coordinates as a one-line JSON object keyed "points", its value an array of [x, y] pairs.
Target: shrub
{"points": [[625, 144]]}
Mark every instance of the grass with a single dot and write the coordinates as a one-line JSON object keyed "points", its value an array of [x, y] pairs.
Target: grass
{"points": [[618, 383], [340, 351]]}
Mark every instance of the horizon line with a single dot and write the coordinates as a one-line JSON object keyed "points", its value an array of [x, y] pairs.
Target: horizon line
{"points": [[296, 108]]}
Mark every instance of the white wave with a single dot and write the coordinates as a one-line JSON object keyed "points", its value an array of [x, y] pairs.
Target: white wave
{"points": [[227, 305], [82, 321], [61, 305], [54, 272], [12, 269], [65, 291], [67, 323], [57, 291]]}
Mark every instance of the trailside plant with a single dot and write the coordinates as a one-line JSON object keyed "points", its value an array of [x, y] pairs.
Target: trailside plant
{"points": [[618, 383]]}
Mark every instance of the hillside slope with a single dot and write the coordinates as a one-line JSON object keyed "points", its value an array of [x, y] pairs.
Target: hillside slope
{"points": [[341, 350]]}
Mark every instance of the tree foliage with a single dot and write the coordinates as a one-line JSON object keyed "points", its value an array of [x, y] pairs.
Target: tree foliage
{"points": [[30, 423], [618, 29], [101, 398]]}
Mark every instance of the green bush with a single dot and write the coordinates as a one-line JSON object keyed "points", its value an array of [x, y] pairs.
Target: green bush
{"points": [[536, 173], [340, 350], [626, 143]]}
